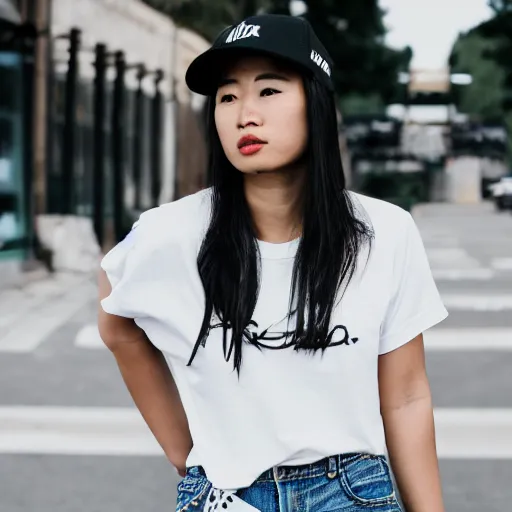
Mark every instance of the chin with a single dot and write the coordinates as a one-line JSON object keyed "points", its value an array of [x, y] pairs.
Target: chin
{"points": [[256, 170], [251, 165]]}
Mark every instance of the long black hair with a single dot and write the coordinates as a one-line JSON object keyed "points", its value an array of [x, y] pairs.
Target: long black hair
{"points": [[332, 237]]}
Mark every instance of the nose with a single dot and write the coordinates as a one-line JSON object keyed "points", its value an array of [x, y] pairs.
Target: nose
{"points": [[248, 114]]}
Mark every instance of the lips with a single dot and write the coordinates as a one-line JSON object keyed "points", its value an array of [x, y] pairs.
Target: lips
{"points": [[248, 140], [249, 145]]}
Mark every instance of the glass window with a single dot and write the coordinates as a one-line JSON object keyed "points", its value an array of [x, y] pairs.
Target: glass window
{"points": [[9, 80], [12, 217]]}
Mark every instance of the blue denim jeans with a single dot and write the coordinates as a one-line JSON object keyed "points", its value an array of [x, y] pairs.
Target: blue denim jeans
{"points": [[348, 483]]}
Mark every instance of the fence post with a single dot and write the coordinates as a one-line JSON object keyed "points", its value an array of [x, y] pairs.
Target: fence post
{"points": [[156, 141], [68, 139], [118, 157], [138, 132], [98, 187]]}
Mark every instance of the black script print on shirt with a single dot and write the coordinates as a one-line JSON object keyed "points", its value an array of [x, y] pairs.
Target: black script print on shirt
{"points": [[275, 337], [338, 335]]}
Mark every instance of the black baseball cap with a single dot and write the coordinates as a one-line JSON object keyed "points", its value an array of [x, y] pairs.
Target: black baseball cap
{"points": [[289, 38]]}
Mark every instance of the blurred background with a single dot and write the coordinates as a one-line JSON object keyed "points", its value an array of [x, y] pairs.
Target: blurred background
{"points": [[97, 126]]}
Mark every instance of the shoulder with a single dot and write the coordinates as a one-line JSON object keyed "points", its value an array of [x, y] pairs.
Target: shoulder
{"points": [[377, 210], [186, 218], [392, 226], [385, 218], [161, 244]]}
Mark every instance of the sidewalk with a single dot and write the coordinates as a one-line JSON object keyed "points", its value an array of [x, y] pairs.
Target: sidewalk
{"points": [[39, 303], [453, 209]]}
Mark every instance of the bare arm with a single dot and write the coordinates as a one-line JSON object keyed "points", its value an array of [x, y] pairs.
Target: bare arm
{"points": [[148, 379], [406, 408]]}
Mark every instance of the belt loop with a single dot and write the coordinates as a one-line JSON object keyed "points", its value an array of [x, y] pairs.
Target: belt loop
{"points": [[332, 470]]}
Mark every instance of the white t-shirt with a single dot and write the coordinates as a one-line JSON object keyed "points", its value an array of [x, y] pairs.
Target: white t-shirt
{"points": [[288, 407]]}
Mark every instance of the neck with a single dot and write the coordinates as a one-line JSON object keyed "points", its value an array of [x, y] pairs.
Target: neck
{"points": [[275, 202]]}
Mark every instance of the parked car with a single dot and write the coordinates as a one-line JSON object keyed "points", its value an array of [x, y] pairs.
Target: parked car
{"points": [[502, 193]]}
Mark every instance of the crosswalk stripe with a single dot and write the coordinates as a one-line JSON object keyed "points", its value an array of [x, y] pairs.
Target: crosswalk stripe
{"points": [[25, 336], [474, 433], [75, 431], [466, 339], [469, 274], [16, 304], [89, 337], [460, 433], [477, 302], [502, 263]]}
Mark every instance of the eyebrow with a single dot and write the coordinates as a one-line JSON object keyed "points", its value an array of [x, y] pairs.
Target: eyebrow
{"points": [[263, 76]]}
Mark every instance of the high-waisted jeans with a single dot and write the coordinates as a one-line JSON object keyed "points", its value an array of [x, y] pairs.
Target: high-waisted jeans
{"points": [[349, 483]]}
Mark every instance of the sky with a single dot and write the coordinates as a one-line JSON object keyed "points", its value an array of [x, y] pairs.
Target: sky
{"points": [[431, 27]]}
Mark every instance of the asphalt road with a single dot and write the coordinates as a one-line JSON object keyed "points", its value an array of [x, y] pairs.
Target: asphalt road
{"points": [[52, 460]]}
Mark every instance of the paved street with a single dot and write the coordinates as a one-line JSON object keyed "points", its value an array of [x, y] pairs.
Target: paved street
{"points": [[70, 439]]}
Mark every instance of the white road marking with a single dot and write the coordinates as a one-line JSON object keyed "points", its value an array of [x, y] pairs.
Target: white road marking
{"points": [[451, 257], [474, 433], [89, 337], [455, 264], [28, 333], [17, 303], [477, 302], [460, 433], [469, 274], [502, 263], [75, 431], [460, 339]]}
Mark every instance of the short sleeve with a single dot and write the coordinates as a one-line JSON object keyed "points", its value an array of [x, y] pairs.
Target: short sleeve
{"points": [[415, 304], [120, 265]]}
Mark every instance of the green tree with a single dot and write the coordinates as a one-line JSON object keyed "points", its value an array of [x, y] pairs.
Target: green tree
{"points": [[208, 17], [483, 99], [499, 30], [500, 6], [353, 33], [485, 52]]}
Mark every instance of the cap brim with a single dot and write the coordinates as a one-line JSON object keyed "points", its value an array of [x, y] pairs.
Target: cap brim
{"points": [[205, 72]]}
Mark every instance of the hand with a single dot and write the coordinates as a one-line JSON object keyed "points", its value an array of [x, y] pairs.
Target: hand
{"points": [[179, 462]]}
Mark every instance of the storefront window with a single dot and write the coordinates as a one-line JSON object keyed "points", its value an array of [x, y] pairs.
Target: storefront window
{"points": [[12, 222]]}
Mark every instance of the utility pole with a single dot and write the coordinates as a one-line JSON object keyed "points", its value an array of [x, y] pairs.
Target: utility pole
{"points": [[40, 94]]}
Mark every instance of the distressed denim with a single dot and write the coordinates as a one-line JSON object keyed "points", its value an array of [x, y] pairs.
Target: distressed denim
{"points": [[348, 483]]}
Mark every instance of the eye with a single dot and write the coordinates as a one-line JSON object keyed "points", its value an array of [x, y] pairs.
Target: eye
{"points": [[269, 92], [227, 98]]}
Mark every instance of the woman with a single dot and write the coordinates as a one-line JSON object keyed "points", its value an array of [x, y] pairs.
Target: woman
{"points": [[276, 344]]}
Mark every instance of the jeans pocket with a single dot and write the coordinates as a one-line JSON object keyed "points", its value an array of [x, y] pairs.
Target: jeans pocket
{"points": [[191, 491], [367, 480]]}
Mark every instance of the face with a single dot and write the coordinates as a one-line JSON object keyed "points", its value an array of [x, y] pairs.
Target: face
{"points": [[260, 115]]}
